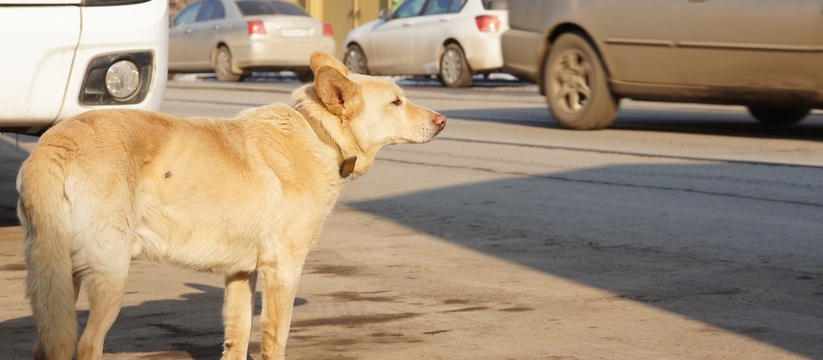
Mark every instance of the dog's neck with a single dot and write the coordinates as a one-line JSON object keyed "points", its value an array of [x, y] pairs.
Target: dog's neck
{"points": [[331, 130]]}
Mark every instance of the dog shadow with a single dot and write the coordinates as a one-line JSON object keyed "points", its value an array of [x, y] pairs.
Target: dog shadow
{"points": [[189, 328]]}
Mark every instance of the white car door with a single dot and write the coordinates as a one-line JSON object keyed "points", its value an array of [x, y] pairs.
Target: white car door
{"points": [[431, 28], [394, 40]]}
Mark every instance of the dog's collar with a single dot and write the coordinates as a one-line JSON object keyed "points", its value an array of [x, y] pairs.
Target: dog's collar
{"points": [[347, 167]]}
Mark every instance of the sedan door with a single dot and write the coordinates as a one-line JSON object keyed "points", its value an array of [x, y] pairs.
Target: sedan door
{"points": [[430, 30], [180, 57], [394, 40], [210, 26], [753, 44]]}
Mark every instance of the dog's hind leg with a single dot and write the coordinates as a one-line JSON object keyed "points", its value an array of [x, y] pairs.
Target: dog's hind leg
{"points": [[105, 284], [238, 309], [279, 289]]}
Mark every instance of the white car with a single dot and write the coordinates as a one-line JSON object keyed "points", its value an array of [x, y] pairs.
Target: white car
{"points": [[454, 39], [64, 57]]}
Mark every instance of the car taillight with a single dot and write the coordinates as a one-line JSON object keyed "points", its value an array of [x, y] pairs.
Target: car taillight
{"points": [[327, 29], [257, 27], [487, 23]]}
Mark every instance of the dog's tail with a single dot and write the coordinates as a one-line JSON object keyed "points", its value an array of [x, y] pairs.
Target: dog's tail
{"points": [[43, 213]]}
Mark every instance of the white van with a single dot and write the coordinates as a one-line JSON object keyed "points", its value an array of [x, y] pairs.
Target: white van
{"points": [[64, 57]]}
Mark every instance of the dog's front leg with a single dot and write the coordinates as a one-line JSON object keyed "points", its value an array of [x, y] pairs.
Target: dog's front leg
{"points": [[238, 309], [279, 289]]}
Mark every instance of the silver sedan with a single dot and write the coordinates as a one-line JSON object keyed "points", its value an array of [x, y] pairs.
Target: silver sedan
{"points": [[234, 38]]}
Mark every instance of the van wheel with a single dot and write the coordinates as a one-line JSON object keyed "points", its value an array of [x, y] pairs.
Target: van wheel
{"points": [[454, 70], [355, 60], [576, 85], [222, 66], [778, 116]]}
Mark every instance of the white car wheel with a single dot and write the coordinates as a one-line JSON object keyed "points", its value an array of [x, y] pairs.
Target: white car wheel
{"points": [[454, 70], [355, 60]]}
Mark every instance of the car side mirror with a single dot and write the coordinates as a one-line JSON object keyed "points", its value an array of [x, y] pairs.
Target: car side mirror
{"points": [[385, 14]]}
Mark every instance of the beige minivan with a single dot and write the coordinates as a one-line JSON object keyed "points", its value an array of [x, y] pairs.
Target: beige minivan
{"points": [[586, 55]]}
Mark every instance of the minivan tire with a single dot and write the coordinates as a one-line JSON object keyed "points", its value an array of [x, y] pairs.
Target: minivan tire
{"points": [[778, 115], [576, 85]]}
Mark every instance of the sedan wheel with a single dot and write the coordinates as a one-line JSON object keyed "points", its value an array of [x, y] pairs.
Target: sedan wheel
{"points": [[222, 66], [454, 70], [576, 85], [355, 60]]}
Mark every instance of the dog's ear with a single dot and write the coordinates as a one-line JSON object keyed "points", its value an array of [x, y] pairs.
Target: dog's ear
{"points": [[320, 59], [340, 95]]}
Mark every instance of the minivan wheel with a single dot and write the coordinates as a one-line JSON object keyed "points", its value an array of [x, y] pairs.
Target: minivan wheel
{"points": [[454, 70], [576, 85], [222, 66], [355, 60], [779, 116]]}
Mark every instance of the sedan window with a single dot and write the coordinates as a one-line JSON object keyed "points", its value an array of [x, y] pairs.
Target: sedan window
{"points": [[263, 7], [457, 5], [288, 9], [409, 9], [439, 7], [213, 10], [189, 14]]}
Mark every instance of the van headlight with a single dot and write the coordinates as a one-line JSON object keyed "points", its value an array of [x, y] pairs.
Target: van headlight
{"points": [[117, 79]]}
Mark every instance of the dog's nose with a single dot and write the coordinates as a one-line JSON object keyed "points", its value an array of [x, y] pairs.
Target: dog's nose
{"points": [[440, 122]]}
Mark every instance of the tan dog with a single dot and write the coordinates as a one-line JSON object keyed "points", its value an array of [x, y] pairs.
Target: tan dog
{"points": [[235, 196]]}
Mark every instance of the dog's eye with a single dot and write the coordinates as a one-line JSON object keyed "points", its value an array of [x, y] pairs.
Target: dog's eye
{"points": [[397, 102]]}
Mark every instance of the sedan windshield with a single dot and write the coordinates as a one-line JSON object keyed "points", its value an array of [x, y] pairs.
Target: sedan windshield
{"points": [[263, 7]]}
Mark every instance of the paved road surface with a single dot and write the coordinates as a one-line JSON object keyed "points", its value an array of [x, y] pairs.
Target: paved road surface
{"points": [[535, 248]]}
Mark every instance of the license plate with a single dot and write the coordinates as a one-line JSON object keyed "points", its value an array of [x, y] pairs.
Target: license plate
{"points": [[295, 32]]}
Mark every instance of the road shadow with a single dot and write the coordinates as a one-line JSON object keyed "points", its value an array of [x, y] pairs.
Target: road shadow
{"points": [[13, 151], [729, 123], [190, 327], [687, 255], [493, 80]]}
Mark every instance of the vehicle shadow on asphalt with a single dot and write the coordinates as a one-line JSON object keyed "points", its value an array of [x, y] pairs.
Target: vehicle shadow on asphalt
{"points": [[595, 227], [12, 155], [685, 122], [190, 326]]}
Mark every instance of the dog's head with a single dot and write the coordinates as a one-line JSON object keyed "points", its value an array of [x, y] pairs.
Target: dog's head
{"points": [[373, 109]]}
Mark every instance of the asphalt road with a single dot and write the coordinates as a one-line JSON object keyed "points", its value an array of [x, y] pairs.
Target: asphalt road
{"points": [[684, 232]]}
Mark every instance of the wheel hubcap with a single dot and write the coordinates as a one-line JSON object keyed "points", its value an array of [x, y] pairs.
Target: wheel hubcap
{"points": [[570, 82], [452, 66], [354, 61], [223, 63]]}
